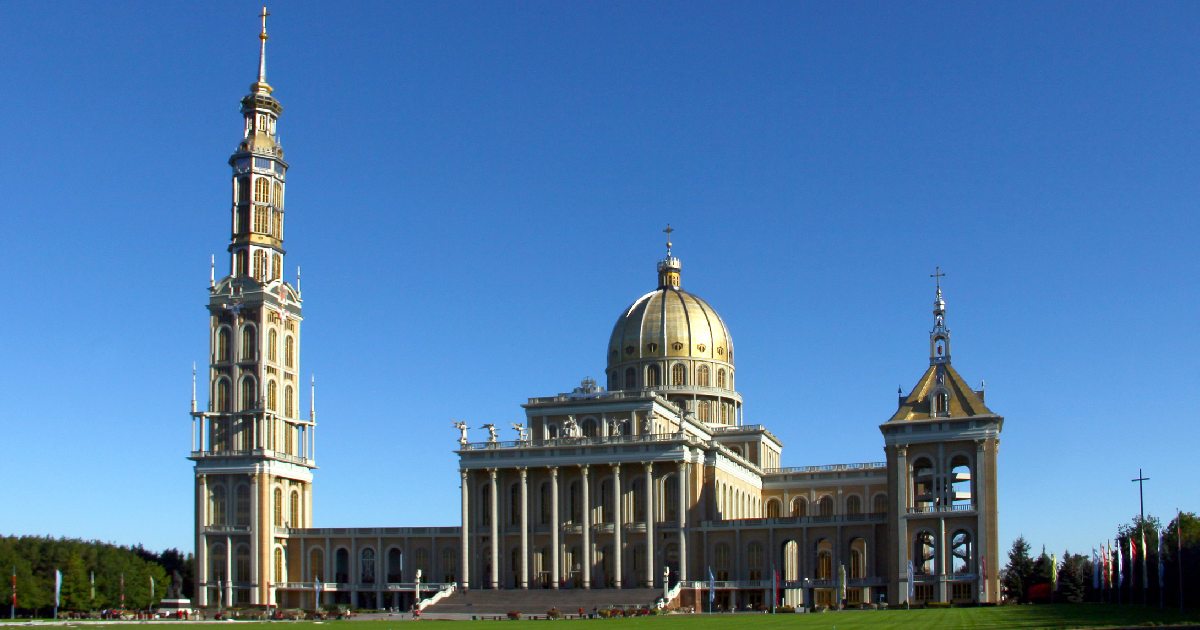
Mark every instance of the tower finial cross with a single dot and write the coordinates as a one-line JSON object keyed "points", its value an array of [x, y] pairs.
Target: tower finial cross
{"points": [[937, 276], [668, 231], [264, 15]]}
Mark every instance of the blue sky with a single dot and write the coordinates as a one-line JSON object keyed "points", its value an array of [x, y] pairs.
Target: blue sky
{"points": [[477, 191]]}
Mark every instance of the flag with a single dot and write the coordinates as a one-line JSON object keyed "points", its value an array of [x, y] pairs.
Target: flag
{"points": [[1120, 568], [1054, 572], [122, 590], [317, 592], [910, 579], [1161, 566], [57, 586], [1095, 570], [14, 587], [93, 585], [841, 586], [982, 578], [774, 587], [151, 589], [1145, 562]]}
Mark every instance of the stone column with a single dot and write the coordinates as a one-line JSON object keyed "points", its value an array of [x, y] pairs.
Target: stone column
{"points": [[259, 519], [617, 550], [524, 528], [554, 527], [586, 564], [649, 525], [464, 578], [901, 541], [978, 498], [495, 514], [203, 577], [683, 503], [229, 571]]}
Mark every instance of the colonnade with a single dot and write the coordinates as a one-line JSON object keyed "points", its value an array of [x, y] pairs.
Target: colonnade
{"points": [[626, 532]]}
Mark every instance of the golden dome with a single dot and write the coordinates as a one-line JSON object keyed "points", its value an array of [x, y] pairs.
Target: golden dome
{"points": [[668, 323]]}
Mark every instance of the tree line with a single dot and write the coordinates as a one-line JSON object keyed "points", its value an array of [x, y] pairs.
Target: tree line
{"points": [[1088, 577], [95, 575]]}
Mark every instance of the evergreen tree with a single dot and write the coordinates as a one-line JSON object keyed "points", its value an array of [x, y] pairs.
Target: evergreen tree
{"points": [[1019, 570]]}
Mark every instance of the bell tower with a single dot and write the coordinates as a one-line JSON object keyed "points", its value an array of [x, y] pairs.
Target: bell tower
{"points": [[253, 453]]}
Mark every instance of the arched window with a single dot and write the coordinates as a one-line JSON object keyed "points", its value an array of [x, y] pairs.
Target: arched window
{"points": [[276, 266], [289, 352], [754, 560], [341, 565], [800, 507], [222, 344], [278, 565], [216, 505], [678, 375], [271, 399], [249, 393], [853, 505], [721, 553], [922, 485], [260, 265], [262, 190], [825, 506], [242, 514], [704, 410], [239, 260], [241, 564], [630, 378], [652, 376], [721, 378], [294, 511], [289, 402], [217, 566], [222, 396], [773, 508], [702, 376], [395, 565], [278, 507], [824, 560], [858, 559], [880, 504], [272, 345], [277, 199], [367, 569], [588, 427], [249, 343], [316, 564], [613, 384]]}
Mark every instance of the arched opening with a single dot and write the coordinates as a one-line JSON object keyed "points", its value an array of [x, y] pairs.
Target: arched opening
{"points": [[773, 508], [858, 559], [222, 344], [961, 553], [279, 568], [367, 566], [289, 352], [241, 564], [249, 343], [544, 503], [754, 560], [800, 506], [278, 505], [880, 504], [638, 490], [249, 393], [271, 395], [922, 485], [924, 553], [588, 426], [242, 510], [652, 376], [678, 375], [721, 378], [825, 506], [671, 498], [449, 564], [604, 513], [485, 505], [316, 564], [574, 503], [630, 378], [216, 505], [341, 566], [853, 504], [824, 560], [791, 573], [514, 504], [272, 345], [960, 481], [702, 376], [721, 561], [294, 510], [395, 565], [222, 396]]}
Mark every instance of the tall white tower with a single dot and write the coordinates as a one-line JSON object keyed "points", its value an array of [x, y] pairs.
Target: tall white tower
{"points": [[253, 454]]}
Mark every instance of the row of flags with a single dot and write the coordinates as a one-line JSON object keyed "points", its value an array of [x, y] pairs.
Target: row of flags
{"points": [[1103, 567]]}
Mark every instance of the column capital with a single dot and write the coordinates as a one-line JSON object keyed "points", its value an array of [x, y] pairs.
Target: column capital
{"points": [[492, 473], [584, 468], [553, 471], [524, 472], [649, 466]]}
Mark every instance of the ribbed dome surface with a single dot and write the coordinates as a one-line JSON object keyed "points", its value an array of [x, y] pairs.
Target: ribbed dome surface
{"points": [[669, 322]]}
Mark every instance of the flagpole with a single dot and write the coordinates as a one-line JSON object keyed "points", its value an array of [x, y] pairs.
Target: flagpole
{"points": [[1179, 553], [12, 606]]}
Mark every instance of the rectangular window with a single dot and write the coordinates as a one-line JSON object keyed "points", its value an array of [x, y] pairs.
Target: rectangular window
{"points": [[262, 163]]}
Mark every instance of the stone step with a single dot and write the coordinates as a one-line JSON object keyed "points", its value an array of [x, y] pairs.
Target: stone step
{"points": [[538, 601]]}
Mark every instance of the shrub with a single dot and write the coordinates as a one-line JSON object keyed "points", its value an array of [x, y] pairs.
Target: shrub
{"points": [[515, 615], [785, 609], [553, 613], [937, 604]]}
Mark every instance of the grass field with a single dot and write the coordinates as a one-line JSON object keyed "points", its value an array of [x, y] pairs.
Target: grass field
{"points": [[1044, 616]]}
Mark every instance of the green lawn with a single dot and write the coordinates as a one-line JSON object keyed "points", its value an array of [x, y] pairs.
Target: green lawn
{"points": [[1043, 616]]}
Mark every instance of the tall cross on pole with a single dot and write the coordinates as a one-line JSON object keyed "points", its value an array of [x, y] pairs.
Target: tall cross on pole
{"points": [[668, 231], [937, 276], [1141, 497]]}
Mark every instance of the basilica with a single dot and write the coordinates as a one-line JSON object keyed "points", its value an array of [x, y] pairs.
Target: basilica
{"points": [[652, 481]]}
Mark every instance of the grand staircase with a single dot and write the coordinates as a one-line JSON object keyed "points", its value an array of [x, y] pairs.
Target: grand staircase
{"points": [[538, 601]]}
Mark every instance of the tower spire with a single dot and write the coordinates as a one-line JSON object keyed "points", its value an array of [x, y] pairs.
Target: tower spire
{"points": [[669, 267], [261, 84], [939, 337]]}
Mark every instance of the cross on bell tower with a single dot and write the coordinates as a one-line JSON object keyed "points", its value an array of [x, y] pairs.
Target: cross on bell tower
{"points": [[669, 268]]}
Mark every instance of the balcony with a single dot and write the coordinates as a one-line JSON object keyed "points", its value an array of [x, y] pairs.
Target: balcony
{"points": [[580, 441], [941, 509], [226, 529]]}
